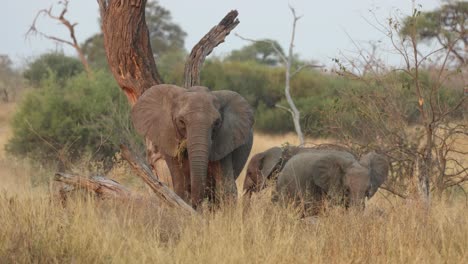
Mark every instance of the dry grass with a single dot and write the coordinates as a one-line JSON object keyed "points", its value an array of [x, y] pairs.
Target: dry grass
{"points": [[6, 112], [37, 229]]}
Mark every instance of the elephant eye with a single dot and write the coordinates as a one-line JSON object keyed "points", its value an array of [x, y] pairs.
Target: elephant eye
{"points": [[180, 123], [217, 124]]}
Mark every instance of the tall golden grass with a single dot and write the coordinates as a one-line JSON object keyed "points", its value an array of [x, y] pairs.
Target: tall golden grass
{"points": [[36, 228]]}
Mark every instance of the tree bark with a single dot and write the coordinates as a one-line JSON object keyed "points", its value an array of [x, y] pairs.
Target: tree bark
{"points": [[109, 189], [161, 190], [104, 188], [127, 45], [296, 115], [206, 45]]}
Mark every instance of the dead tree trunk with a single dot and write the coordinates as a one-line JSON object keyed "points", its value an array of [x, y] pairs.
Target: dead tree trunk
{"points": [[127, 44], [130, 58]]}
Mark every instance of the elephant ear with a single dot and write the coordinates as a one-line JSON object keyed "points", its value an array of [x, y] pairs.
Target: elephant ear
{"points": [[152, 116], [328, 171], [271, 158], [236, 126], [252, 177], [378, 170]]}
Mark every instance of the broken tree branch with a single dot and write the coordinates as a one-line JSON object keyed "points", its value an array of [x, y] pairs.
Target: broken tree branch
{"points": [[103, 187], [161, 190], [206, 45]]}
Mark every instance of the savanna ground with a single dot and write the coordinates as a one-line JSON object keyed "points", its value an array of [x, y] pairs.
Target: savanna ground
{"points": [[37, 229]]}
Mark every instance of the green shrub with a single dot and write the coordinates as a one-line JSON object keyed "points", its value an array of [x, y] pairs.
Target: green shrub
{"points": [[82, 116], [57, 64]]}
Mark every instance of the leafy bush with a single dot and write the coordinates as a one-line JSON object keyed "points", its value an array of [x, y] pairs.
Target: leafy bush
{"points": [[82, 116], [57, 64]]}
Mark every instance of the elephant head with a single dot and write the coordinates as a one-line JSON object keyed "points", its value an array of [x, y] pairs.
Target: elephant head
{"points": [[212, 124], [260, 168], [344, 177]]}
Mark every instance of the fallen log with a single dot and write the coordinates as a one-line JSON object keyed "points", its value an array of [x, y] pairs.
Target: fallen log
{"points": [[104, 188], [161, 190]]}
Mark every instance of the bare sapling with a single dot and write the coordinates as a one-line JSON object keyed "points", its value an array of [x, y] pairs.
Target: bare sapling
{"points": [[290, 72], [73, 42]]}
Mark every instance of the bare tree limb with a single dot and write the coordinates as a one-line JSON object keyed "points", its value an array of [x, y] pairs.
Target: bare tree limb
{"points": [[305, 66], [161, 190], [206, 45], [285, 108], [287, 88], [103, 187], [288, 61], [71, 28]]}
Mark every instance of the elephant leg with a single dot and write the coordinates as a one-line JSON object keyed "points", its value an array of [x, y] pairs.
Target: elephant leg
{"points": [[240, 156], [180, 178], [225, 183]]}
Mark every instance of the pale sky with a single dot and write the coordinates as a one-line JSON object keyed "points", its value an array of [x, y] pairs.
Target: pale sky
{"points": [[323, 31]]}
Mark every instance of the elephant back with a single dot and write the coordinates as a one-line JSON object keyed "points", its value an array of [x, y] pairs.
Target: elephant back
{"points": [[299, 175]]}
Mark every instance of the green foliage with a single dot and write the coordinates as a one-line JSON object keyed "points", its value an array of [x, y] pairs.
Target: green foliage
{"points": [[255, 82], [82, 116], [165, 35], [263, 87], [171, 67], [262, 51], [93, 48], [56, 64], [447, 25]]}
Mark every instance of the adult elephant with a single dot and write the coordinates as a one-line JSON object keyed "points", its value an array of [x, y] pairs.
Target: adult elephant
{"points": [[205, 137], [313, 176]]}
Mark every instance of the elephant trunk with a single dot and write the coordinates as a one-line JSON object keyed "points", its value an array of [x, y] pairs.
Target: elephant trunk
{"points": [[356, 200], [198, 145]]}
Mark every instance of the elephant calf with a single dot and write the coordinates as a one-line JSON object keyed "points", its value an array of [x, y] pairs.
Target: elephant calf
{"points": [[312, 176], [266, 165]]}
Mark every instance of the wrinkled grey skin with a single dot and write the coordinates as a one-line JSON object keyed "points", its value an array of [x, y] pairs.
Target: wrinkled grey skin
{"points": [[313, 176], [263, 165], [205, 137]]}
